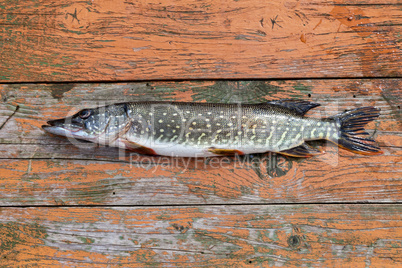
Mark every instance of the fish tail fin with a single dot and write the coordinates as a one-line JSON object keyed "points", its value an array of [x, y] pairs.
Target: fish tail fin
{"points": [[351, 134]]}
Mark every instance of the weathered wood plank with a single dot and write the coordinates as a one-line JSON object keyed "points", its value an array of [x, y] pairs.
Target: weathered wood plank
{"points": [[235, 236], [40, 102], [144, 40], [40, 169], [161, 181]]}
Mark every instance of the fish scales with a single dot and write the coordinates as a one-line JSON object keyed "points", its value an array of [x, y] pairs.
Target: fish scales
{"points": [[206, 129], [216, 125]]}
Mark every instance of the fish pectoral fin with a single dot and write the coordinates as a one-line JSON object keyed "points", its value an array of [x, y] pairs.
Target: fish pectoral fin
{"points": [[118, 135], [300, 107], [224, 152], [303, 150], [135, 147]]}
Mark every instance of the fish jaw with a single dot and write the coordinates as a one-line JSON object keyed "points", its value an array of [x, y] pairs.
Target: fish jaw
{"points": [[57, 130], [65, 127], [61, 131]]}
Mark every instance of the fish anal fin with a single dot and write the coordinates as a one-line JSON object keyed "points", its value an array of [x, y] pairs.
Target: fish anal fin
{"points": [[225, 152], [135, 147], [303, 150], [300, 107]]}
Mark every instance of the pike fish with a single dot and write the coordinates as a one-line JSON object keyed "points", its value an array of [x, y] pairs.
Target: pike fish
{"points": [[213, 129]]}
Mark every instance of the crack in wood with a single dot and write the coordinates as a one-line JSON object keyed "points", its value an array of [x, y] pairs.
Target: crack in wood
{"points": [[5, 122]]}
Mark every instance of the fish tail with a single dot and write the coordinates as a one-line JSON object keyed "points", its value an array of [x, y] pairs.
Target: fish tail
{"points": [[351, 133]]}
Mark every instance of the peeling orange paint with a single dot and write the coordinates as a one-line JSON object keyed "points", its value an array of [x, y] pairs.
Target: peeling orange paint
{"points": [[326, 234]]}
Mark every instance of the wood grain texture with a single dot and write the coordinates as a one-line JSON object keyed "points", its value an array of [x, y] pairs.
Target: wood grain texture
{"points": [[206, 236], [65, 204], [40, 169], [103, 40]]}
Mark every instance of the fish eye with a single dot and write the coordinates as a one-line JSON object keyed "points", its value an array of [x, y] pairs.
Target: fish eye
{"points": [[84, 113]]}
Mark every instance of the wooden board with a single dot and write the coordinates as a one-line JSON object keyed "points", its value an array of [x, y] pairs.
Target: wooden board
{"points": [[41, 169], [104, 40], [65, 204], [203, 236]]}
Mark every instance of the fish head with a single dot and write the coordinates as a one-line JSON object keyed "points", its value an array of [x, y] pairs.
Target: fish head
{"points": [[91, 124]]}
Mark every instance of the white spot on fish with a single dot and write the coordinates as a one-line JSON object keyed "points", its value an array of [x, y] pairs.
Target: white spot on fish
{"points": [[159, 138], [214, 139], [200, 137], [270, 136], [281, 139], [312, 133]]}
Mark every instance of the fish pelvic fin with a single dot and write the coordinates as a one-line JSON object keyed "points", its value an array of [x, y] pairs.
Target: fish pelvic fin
{"points": [[225, 152], [351, 134], [137, 148], [300, 107]]}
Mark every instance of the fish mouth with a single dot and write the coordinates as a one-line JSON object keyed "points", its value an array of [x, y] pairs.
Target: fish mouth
{"points": [[62, 127], [57, 122]]}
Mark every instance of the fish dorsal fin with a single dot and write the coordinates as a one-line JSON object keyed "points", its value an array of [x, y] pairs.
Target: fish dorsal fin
{"points": [[300, 107]]}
